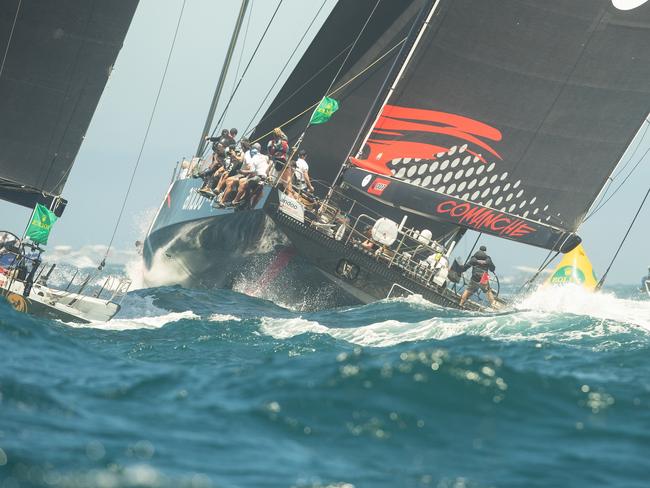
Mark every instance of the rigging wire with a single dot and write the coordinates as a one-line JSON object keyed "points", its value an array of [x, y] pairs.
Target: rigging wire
{"points": [[295, 49], [250, 61], [11, 35], [241, 51], [146, 135], [545, 263], [469, 255], [333, 92], [627, 177], [302, 135], [620, 246], [354, 44]]}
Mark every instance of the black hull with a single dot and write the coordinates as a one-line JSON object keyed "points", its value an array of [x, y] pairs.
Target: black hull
{"points": [[369, 279], [201, 247]]}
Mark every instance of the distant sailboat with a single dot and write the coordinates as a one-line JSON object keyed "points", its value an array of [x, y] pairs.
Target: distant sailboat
{"points": [[56, 61]]}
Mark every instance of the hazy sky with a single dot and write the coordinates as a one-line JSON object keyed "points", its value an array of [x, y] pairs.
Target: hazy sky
{"points": [[104, 164]]}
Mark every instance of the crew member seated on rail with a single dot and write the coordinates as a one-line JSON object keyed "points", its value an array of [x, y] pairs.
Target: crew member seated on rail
{"points": [[301, 179], [481, 265], [234, 163], [251, 187], [246, 170], [213, 172]]}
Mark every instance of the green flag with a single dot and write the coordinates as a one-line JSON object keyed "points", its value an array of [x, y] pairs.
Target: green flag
{"points": [[40, 224], [324, 111]]}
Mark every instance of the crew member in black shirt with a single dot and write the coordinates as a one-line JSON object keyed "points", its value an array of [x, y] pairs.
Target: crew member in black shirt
{"points": [[481, 265]]}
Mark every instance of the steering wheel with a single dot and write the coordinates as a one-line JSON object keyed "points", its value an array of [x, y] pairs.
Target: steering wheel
{"points": [[495, 286]]}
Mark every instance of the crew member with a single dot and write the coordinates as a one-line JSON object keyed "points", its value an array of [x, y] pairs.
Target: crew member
{"points": [[214, 172], [236, 160], [278, 148], [254, 183], [481, 265], [301, 177], [246, 170]]}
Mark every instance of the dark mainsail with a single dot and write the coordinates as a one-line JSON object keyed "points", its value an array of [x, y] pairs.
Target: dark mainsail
{"points": [[520, 107], [58, 61]]}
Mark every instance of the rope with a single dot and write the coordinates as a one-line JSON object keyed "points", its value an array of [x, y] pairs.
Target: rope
{"points": [[602, 280], [473, 247], [250, 61], [334, 92], [11, 35], [296, 147], [295, 49], [350, 51], [144, 140]]}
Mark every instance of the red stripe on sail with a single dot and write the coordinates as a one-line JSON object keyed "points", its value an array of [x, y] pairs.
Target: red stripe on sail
{"points": [[402, 122]]}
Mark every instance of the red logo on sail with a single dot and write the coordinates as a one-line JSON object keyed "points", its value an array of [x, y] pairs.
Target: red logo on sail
{"points": [[392, 137], [378, 186], [482, 218]]}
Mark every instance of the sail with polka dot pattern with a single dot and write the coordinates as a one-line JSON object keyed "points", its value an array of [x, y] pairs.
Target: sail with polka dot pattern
{"points": [[517, 107]]}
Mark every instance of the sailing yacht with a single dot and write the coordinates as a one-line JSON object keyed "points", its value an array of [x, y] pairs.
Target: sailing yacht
{"points": [[505, 118], [55, 64]]}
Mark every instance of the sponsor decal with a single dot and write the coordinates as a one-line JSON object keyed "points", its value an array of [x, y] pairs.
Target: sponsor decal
{"points": [[366, 180], [405, 132], [628, 4], [194, 200], [291, 207], [378, 186], [567, 274], [484, 219]]}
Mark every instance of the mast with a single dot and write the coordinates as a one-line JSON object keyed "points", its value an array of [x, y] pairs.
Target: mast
{"points": [[222, 78]]}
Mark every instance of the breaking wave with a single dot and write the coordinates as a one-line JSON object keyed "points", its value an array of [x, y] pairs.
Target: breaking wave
{"points": [[338, 398]]}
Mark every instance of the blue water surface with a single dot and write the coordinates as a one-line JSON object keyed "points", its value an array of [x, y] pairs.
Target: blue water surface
{"points": [[217, 389]]}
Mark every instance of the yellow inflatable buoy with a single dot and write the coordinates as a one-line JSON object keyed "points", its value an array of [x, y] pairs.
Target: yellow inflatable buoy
{"points": [[575, 268]]}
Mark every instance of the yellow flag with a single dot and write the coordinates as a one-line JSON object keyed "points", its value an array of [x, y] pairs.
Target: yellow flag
{"points": [[575, 268]]}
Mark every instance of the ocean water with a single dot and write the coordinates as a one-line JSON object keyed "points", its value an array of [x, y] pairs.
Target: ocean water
{"points": [[192, 388]]}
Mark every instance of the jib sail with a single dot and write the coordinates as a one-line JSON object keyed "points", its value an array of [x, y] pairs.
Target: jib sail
{"points": [[59, 56], [523, 108]]}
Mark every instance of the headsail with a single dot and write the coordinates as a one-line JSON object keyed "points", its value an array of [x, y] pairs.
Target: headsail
{"points": [[59, 58], [521, 107]]}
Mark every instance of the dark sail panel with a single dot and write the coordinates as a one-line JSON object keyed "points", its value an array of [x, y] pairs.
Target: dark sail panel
{"points": [[328, 144], [521, 106], [58, 62]]}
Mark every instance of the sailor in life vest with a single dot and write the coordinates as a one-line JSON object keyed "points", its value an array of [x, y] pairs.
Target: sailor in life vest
{"points": [[481, 265]]}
